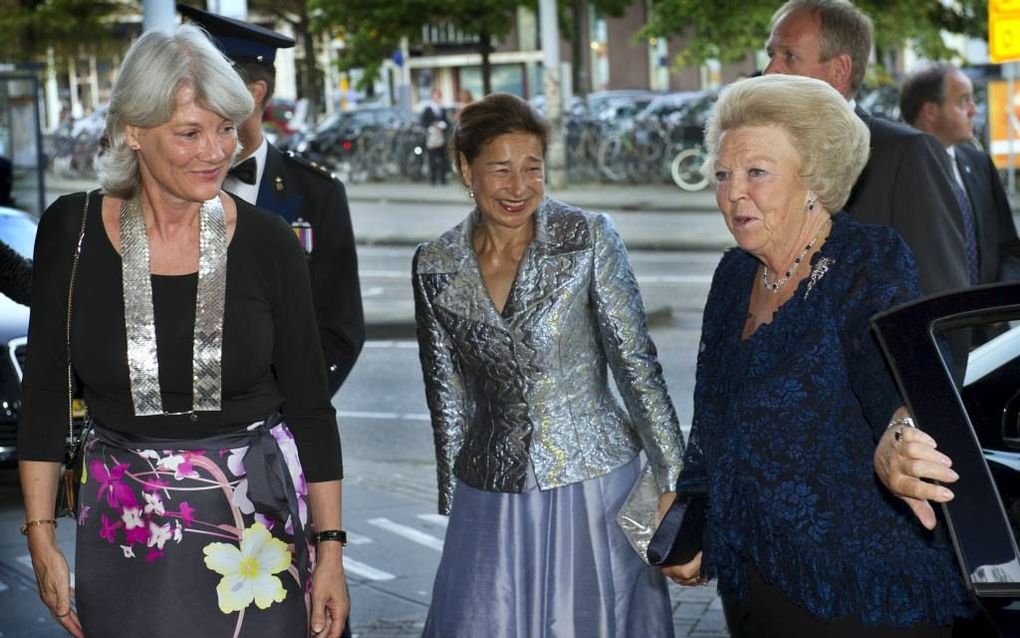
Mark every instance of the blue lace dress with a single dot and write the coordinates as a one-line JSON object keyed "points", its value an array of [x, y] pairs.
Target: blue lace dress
{"points": [[785, 427]]}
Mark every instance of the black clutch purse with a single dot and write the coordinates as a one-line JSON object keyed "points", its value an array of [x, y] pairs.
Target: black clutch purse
{"points": [[679, 536]]}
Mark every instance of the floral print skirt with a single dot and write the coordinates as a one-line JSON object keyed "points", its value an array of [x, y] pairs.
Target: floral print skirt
{"points": [[193, 538]]}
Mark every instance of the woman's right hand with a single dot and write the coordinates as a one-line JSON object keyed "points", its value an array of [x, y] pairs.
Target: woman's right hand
{"points": [[687, 574], [53, 577]]}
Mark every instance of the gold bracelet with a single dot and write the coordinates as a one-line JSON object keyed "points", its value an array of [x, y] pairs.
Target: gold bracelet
{"points": [[38, 521]]}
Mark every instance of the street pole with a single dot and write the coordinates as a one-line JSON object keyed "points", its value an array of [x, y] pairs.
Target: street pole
{"points": [[556, 173]]}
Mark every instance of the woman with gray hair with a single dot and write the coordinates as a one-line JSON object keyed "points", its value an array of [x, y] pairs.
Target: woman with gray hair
{"points": [[186, 316], [792, 391]]}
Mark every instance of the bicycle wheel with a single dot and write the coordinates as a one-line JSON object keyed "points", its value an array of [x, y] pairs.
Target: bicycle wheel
{"points": [[686, 170]]}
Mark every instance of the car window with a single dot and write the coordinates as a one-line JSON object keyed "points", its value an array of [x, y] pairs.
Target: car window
{"points": [[19, 233]]}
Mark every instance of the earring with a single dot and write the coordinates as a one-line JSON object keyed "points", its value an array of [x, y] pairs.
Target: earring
{"points": [[811, 203], [471, 193]]}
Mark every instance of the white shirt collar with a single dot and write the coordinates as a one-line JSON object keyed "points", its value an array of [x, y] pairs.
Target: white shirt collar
{"points": [[250, 192]]}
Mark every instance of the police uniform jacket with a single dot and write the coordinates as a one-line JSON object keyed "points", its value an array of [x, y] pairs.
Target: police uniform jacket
{"points": [[529, 386], [306, 194]]}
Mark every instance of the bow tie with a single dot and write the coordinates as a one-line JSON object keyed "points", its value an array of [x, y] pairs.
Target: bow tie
{"points": [[245, 171]]}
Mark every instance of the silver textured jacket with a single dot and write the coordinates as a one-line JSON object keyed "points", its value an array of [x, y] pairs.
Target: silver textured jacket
{"points": [[529, 385]]}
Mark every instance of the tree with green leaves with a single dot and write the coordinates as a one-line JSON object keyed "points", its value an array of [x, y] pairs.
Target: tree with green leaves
{"points": [[729, 31], [28, 28], [373, 31], [298, 15]]}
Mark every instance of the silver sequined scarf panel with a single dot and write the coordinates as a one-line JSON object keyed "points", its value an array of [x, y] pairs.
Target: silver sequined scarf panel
{"points": [[139, 318]]}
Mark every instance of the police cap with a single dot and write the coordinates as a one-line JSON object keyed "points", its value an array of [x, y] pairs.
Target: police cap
{"points": [[239, 40]]}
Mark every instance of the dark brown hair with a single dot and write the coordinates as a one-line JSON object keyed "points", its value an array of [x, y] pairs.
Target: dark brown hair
{"points": [[926, 85], [486, 119]]}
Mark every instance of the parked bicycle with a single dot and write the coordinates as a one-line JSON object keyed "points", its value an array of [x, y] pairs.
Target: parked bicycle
{"points": [[688, 169]]}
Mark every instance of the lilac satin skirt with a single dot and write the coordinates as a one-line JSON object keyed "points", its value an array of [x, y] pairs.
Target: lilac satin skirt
{"points": [[193, 538], [546, 564]]}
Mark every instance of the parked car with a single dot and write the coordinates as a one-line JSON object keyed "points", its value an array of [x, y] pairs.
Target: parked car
{"points": [[369, 143], [278, 119], [17, 230]]}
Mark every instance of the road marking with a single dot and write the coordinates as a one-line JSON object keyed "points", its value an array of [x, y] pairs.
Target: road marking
{"points": [[409, 533], [354, 414], [361, 569], [387, 416], [437, 519], [358, 539], [410, 344]]}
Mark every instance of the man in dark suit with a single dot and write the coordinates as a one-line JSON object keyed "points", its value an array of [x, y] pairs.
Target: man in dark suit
{"points": [[307, 196], [905, 183], [939, 100]]}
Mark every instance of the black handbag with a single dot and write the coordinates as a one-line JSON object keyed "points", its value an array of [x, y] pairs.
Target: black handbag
{"points": [[678, 538], [67, 490]]}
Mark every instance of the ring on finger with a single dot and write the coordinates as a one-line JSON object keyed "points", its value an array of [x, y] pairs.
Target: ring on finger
{"points": [[898, 435], [63, 615]]}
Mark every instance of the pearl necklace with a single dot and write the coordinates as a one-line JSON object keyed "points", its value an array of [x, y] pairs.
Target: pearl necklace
{"points": [[774, 286]]}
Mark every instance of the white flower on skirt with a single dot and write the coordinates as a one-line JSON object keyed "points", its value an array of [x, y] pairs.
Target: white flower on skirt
{"points": [[132, 518], [153, 503], [158, 535], [248, 572]]}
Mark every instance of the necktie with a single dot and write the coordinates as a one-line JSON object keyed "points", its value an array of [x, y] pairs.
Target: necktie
{"points": [[969, 231], [245, 171]]}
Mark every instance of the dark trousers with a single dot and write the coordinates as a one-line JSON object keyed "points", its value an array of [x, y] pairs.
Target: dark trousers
{"points": [[768, 613], [437, 165]]}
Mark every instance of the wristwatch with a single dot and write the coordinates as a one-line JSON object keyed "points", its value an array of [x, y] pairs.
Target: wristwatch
{"points": [[337, 535]]}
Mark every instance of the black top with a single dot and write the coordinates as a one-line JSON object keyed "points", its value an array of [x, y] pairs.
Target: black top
{"points": [[271, 355]]}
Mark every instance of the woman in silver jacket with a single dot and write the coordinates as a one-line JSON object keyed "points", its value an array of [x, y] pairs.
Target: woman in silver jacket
{"points": [[521, 309]]}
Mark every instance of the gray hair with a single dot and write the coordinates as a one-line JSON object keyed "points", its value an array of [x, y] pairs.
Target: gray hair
{"points": [[844, 29], [832, 141], [157, 66]]}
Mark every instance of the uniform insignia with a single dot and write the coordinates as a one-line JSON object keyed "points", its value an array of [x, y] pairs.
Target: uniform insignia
{"points": [[279, 184], [305, 235]]}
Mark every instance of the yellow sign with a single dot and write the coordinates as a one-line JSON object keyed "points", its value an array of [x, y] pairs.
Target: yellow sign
{"points": [[1004, 36], [1003, 6], [999, 122]]}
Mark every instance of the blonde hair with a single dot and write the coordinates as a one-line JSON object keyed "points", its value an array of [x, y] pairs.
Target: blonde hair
{"points": [[832, 141], [157, 66]]}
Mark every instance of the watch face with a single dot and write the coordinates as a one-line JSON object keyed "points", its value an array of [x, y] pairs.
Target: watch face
{"points": [[972, 410]]}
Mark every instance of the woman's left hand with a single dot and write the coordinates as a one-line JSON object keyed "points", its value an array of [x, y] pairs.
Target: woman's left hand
{"points": [[330, 601], [905, 461]]}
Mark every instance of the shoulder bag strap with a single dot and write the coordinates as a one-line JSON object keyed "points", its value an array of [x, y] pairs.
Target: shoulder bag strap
{"points": [[67, 334]]}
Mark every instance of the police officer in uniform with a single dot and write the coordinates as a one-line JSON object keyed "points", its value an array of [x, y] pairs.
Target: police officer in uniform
{"points": [[306, 195]]}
